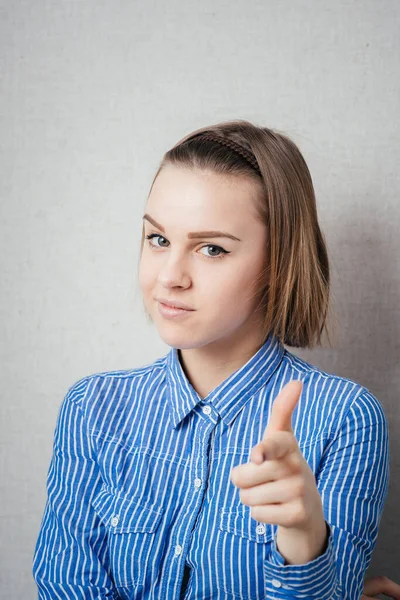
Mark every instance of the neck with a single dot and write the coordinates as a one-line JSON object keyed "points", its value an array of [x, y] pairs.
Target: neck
{"points": [[208, 366]]}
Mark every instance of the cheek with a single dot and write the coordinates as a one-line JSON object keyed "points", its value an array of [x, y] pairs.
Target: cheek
{"points": [[233, 295], [244, 283]]}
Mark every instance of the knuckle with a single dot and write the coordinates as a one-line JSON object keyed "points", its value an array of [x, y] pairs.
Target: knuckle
{"points": [[291, 520], [300, 487], [302, 514], [297, 459], [298, 514], [296, 462]]}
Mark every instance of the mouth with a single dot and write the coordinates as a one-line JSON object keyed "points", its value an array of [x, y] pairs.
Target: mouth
{"points": [[174, 304], [172, 312]]}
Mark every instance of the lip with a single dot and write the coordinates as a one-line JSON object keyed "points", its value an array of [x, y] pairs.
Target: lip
{"points": [[171, 312], [174, 304]]}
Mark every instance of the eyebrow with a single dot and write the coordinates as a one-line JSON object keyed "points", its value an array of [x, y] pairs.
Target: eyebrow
{"points": [[194, 234]]}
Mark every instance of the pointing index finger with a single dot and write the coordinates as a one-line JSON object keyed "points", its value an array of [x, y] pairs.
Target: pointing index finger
{"points": [[283, 407]]}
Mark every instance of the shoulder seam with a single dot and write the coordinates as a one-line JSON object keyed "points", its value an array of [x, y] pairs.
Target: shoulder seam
{"points": [[121, 373], [310, 368]]}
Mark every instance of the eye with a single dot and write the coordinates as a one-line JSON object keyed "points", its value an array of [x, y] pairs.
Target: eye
{"points": [[214, 249], [215, 252], [155, 235]]}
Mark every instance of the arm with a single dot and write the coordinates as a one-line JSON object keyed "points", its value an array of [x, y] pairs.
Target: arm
{"points": [[71, 555], [353, 484]]}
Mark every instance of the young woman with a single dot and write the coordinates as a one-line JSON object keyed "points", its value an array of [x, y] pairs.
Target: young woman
{"points": [[228, 468]]}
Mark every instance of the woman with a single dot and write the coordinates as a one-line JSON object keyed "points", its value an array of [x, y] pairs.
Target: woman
{"points": [[229, 468]]}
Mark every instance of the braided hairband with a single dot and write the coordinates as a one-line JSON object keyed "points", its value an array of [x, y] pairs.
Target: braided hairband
{"points": [[246, 154]]}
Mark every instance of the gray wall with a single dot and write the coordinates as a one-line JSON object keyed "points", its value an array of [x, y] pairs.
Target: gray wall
{"points": [[93, 93]]}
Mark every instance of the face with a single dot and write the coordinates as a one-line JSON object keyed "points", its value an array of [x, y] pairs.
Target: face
{"points": [[207, 250]]}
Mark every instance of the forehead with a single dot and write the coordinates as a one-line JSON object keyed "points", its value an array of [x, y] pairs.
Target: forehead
{"points": [[202, 197]]}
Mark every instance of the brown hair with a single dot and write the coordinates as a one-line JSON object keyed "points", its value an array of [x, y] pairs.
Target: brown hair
{"points": [[295, 287]]}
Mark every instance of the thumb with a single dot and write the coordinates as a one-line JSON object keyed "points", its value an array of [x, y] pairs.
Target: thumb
{"points": [[283, 407]]}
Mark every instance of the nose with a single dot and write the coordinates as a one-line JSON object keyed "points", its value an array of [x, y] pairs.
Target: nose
{"points": [[173, 273]]}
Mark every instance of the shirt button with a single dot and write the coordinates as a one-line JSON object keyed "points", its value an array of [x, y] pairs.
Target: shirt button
{"points": [[178, 550], [197, 482], [276, 583], [206, 410], [260, 529], [115, 520]]}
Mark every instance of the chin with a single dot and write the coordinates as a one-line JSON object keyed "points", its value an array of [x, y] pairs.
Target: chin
{"points": [[185, 341], [179, 343], [181, 340]]}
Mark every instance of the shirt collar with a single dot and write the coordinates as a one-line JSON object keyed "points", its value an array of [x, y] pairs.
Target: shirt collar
{"points": [[231, 395]]}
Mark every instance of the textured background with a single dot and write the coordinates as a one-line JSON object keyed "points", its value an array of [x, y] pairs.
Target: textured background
{"points": [[92, 94]]}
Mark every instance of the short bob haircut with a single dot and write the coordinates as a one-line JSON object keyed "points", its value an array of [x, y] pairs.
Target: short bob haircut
{"points": [[295, 287]]}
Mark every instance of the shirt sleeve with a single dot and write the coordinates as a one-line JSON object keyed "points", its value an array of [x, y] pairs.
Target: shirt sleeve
{"points": [[353, 481], [71, 556]]}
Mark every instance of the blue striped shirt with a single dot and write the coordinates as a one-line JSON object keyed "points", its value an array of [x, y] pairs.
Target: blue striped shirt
{"points": [[140, 503]]}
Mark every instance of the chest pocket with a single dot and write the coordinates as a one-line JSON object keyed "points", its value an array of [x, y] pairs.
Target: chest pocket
{"points": [[248, 543], [131, 531]]}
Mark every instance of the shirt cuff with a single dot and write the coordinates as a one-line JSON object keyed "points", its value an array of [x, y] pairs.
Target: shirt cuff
{"points": [[313, 580]]}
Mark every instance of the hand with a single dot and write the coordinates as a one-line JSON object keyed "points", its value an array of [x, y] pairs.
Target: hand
{"points": [[280, 487], [380, 585]]}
